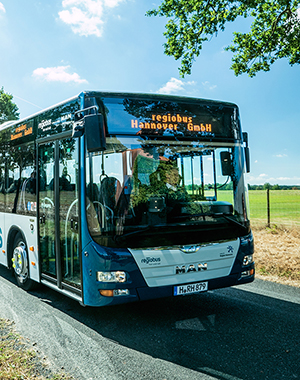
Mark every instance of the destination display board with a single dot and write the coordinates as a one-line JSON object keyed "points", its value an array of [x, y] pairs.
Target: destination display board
{"points": [[163, 122], [49, 122], [198, 119], [21, 132]]}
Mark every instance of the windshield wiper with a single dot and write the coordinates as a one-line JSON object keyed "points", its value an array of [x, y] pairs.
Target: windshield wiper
{"points": [[225, 216], [159, 231], [136, 232], [212, 215]]}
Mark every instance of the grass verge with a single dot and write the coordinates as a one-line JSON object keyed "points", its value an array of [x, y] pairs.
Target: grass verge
{"points": [[277, 254], [18, 361]]}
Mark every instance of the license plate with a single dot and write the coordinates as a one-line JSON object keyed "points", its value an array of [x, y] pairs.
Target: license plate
{"points": [[191, 288]]}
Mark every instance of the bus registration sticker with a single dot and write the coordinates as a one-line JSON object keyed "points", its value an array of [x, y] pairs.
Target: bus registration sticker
{"points": [[191, 288]]}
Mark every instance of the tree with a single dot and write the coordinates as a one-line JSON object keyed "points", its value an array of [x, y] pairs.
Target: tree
{"points": [[8, 109], [274, 32], [267, 186]]}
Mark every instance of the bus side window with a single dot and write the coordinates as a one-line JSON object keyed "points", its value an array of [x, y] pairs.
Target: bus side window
{"points": [[31, 184], [65, 181], [27, 196], [21, 188], [2, 188], [12, 187]]}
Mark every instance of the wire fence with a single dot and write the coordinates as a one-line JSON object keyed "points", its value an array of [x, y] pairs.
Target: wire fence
{"points": [[275, 208]]}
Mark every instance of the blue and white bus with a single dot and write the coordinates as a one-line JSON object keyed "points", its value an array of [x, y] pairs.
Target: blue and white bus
{"points": [[114, 197]]}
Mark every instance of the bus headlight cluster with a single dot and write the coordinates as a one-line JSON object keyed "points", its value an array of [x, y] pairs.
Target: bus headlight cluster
{"points": [[118, 276], [248, 259]]}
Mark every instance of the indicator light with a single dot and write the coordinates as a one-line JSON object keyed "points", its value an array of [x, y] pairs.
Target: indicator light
{"points": [[106, 292], [114, 293], [247, 273]]}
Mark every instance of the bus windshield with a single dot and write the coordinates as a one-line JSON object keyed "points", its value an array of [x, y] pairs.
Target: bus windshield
{"points": [[146, 193]]}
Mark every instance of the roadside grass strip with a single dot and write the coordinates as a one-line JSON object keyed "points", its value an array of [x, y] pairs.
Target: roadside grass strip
{"points": [[277, 254], [18, 361]]}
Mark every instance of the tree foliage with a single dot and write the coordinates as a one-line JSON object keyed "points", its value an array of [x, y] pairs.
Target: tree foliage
{"points": [[274, 32], [8, 109]]}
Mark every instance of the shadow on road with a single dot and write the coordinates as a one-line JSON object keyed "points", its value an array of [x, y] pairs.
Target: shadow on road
{"points": [[228, 333]]}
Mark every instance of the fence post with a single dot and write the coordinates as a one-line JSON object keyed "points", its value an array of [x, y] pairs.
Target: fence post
{"points": [[268, 208]]}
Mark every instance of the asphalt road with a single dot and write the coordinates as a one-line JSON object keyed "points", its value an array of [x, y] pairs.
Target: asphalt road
{"points": [[246, 332]]}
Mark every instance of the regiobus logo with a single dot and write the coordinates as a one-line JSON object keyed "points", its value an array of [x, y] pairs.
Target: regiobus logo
{"points": [[151, 260]]}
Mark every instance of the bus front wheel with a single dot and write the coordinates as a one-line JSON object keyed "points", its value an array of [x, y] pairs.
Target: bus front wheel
{"points": [[20, 263]]}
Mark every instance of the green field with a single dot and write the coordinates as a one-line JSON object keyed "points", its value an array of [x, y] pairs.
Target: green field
{"points": [[284, 207]]}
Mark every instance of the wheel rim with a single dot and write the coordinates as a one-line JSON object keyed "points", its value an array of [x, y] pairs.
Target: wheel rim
{"points": [[20, 262]]}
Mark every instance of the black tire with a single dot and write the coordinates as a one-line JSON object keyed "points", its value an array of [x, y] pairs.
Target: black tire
{"points": [[21, 264]]}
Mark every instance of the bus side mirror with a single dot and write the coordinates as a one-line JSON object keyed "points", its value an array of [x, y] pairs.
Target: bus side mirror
{"points": [[247, 158], [226, 163], [94, 132], [93, 128], [247, 151]]}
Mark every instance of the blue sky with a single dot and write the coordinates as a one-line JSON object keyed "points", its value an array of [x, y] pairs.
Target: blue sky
{"points": [[51, 51]]}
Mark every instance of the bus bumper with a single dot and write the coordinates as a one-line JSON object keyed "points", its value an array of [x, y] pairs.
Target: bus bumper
{"points": [[218, 283], [135, 288]]}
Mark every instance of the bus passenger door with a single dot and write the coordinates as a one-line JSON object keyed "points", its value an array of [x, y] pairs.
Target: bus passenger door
{"points": [[46, 154], [58, 213]]}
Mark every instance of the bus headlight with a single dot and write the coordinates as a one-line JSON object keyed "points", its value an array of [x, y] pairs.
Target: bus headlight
{"points": [[248, 259], [118, 276]]}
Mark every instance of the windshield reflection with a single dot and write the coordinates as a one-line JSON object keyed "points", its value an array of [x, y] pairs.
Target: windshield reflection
{"points": [[162, 190]]}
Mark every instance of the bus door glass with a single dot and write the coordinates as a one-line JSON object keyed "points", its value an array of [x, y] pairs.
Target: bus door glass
{"points": [[69, 211], [58, 211], [47, 208]]}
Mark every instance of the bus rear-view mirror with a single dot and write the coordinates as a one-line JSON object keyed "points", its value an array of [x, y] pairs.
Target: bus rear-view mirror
{"points": [[247, 151], [226, 163], [94, 132], [247, 159], [93, 128]]}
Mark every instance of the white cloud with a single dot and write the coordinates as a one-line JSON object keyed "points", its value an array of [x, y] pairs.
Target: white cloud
{"points": [[57, 74], [294, 180], [112, 3], [207, 85], [281, 155], [86, 16], [81, 23], [175, 86], [264, 178], [2, 9]]}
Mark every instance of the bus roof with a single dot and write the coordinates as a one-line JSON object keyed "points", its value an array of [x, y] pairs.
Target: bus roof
{"points": [[175, 98], [9, 123], [107, 94]]}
